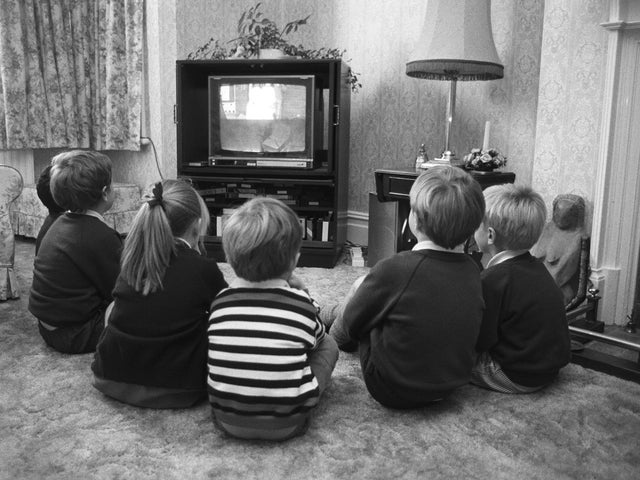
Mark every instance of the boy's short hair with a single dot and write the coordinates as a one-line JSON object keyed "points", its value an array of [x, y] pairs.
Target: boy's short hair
{"points": [[448, 205], [261, 239], [517, 214], [43, 190], [78, 178]]}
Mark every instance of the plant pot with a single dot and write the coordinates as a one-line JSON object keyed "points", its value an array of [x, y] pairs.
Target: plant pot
{"points": [[271, 53]]}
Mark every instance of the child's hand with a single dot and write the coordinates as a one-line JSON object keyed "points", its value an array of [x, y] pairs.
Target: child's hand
{"points": [[295, 282]]}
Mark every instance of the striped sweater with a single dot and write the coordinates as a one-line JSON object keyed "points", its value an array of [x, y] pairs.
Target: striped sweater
{"points": [[258, 371]]}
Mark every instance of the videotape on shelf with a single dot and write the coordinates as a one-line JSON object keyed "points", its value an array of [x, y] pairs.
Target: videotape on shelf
{"points": [[212, 191]]}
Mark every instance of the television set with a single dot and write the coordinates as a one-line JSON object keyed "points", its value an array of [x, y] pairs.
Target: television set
{"points": [[264, 121]]}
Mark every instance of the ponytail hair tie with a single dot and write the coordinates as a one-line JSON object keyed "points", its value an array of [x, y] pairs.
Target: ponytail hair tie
{"points": [[157, 196]]}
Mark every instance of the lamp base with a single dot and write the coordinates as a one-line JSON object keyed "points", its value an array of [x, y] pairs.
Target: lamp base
{"points": [[436, 162], [447, 158]]}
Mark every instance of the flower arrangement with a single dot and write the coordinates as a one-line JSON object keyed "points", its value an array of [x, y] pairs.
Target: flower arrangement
{"points": [[484, 160], [257, 32]]}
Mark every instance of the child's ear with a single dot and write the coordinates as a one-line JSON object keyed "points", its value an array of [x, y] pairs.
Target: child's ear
{"points": [[491, 236], [413, 222], [105, 192]]}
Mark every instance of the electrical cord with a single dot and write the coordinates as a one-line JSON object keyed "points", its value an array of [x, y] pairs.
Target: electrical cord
{"points": [[155, 154]]}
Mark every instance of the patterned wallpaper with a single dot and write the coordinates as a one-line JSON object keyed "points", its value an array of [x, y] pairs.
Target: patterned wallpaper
{"points": [[544, 113], [393, 113], [570, 102]]}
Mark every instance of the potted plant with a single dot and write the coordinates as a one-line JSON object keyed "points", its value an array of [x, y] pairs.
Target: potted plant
{"points": [[259, 36]]}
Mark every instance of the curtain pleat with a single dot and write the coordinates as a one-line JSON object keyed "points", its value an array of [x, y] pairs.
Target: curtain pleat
{"points": [[71, 74]]}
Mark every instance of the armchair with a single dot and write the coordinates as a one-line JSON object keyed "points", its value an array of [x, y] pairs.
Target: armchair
{"points": [[10, 188]]}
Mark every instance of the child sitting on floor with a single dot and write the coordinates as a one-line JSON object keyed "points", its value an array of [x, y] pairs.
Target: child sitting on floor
{"points": [[78, 259], [415, 317], [524, 338], [269, 357], [44, 194], [153, 351]]}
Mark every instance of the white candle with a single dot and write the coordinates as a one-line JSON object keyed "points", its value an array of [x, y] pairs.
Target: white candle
{"points": [[487, 130]]}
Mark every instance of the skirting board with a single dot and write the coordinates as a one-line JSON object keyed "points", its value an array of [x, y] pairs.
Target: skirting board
{"points": [[358, 227]]}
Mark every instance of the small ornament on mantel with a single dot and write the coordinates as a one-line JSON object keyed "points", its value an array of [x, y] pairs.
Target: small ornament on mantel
{"points": [[421, 158]]}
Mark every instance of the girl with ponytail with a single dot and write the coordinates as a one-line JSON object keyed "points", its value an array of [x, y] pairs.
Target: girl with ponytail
{"points": [[153, 351]]}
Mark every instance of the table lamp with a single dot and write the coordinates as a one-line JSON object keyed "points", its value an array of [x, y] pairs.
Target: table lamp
{"points": [[456, 44]]}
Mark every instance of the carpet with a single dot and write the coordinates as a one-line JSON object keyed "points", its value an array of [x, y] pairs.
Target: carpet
{"points": [[54, 424]]}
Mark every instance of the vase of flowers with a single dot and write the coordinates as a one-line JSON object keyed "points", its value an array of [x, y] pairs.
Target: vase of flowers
{"points": [[484, 160]]}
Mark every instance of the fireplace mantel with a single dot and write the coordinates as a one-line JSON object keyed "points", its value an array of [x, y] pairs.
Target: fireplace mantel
{"points": [[615, 245]]}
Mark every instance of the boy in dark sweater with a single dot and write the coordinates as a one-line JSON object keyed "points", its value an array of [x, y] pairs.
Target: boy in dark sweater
{"points": [[415, 317], [524, 338], [78, 260]]}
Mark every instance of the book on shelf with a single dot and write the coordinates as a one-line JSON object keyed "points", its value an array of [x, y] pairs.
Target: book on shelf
{"points": [[303, 226], [317, 228], [222, 219], [308, 228], [324, 231]]}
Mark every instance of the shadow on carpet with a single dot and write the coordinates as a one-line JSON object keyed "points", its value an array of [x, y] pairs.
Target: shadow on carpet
{"points": [[54, 424]]}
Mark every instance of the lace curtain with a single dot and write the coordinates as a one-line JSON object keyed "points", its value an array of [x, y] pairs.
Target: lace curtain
{"points": [[71, 74]]}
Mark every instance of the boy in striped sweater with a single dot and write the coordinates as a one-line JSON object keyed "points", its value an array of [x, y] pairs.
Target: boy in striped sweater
{"points": [[269, 356]]}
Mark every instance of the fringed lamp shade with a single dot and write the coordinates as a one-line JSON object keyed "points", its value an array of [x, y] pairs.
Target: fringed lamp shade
{"points": [[456, 43]]}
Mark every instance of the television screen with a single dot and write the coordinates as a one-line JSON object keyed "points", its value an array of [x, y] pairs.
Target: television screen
{"points": [[259, 120]]}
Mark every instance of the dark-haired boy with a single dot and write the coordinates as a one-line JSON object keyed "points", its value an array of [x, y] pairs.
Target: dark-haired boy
{"points": [[79, 258]]}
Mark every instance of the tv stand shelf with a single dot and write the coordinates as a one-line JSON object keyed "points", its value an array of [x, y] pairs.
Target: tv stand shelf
{"points": [[318, 194]]}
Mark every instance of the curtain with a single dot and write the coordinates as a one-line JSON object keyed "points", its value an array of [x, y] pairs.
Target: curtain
{"points": [[71, 74]]}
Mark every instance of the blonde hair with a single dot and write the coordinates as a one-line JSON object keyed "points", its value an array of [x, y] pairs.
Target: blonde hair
{"points": [[261, 239], [78, 178], [516, 213], [167, 212], [448, 205]]}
